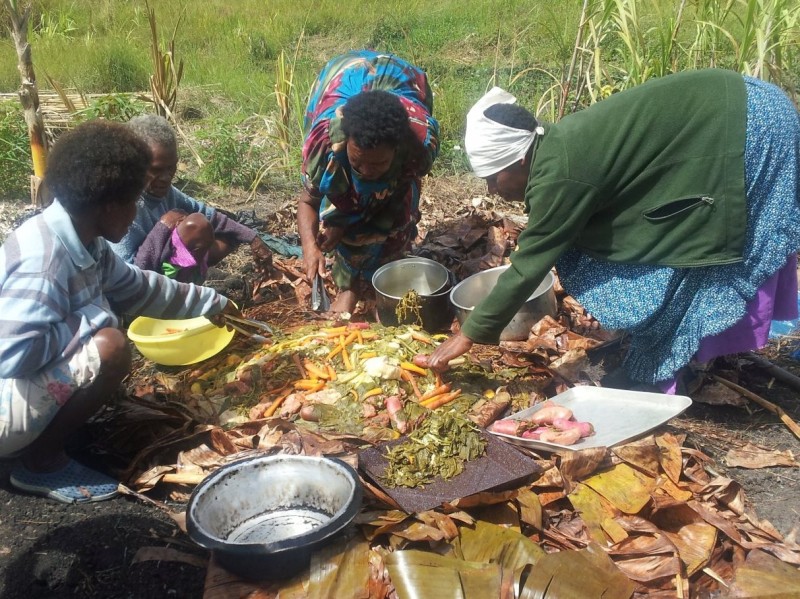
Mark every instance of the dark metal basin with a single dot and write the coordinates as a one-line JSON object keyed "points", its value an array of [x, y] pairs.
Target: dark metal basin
{"points": [[263, 517]]}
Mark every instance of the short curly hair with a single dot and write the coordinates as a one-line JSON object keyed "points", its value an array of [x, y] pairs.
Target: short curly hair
{"points": [[155, 129], [374, 118], [511, 115], [99, 162]]}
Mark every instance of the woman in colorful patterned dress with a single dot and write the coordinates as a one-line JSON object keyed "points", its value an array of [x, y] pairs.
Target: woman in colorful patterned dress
{"points": [[370, 137]]}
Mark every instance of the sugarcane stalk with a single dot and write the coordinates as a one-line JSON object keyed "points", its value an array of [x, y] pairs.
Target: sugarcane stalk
{"points": [[29, 93]]}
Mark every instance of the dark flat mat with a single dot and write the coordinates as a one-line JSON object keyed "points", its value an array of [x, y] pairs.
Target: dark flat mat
{"points": [[502, 466]]}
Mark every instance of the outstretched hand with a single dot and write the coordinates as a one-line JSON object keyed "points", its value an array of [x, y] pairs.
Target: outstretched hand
{"points": [[219, 318], [457, 345], [173, 218]]}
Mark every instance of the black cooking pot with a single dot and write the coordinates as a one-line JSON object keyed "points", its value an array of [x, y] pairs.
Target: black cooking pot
{"points": [[262, 517]]}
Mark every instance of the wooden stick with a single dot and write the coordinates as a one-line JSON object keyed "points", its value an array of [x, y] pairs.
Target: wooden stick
{"points": [[779, 373], [183, 478], [777, 410]]}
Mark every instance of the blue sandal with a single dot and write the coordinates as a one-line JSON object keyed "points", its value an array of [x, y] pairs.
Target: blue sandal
{"points": [[74, 483]]}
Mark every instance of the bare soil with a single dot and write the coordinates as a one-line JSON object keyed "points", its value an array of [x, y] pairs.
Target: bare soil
{"points": [[126, 548]]}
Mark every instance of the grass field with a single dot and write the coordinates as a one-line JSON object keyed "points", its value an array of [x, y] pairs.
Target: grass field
{"points": [[241, 56]]}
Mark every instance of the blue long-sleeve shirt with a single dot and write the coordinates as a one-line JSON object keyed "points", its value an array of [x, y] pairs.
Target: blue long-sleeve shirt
{"points": [[55, 293], [150, 209]]}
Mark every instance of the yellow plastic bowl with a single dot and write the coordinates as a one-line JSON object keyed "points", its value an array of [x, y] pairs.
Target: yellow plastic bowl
{"points": [[178, 342]]}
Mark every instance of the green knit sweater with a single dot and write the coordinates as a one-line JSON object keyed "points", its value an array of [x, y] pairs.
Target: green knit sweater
{"points": [[652, 175]]}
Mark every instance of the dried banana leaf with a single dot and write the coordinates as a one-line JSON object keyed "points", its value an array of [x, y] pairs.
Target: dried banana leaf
{"points": [[486, 542], [765, 576], [424, 575], [340, 569], [586, 574]]}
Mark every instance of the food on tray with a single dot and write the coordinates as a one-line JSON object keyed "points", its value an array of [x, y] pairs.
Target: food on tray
{"points": [[551, 423], [439, 446]]}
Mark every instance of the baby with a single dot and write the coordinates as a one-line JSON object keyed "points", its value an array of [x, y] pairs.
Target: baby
{"points": [[181, 253], [191, 240]]}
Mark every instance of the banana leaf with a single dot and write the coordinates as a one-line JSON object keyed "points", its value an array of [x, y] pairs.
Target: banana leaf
{"points": [[671, 458], [597, 514], [340, 569], [763, 575], [530, 508], [587, 574], [625, 488], [692, 536], [487, 542], [425, 575]]}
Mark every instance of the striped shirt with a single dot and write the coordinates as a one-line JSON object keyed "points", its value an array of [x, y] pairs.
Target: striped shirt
{"points": [[56, 293]]}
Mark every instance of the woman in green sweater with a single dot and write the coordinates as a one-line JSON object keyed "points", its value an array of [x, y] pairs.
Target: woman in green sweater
{"points": [[670, 211]]}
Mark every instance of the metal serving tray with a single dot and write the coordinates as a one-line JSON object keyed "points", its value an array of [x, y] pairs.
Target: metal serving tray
{"points": [[616, 414]]}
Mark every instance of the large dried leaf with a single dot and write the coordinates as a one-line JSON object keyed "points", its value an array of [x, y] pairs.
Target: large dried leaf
{"points": [[598, 515], [627, 489], [752, 456], [692, 536], [530, 508], [486, 542], [340, 569], [425, 575], [670, 456], [571, 574], [643, 455], [577, 465], [765, 576]]}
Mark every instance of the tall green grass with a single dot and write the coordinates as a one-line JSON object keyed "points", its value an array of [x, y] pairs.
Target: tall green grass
{"points": [[248, 64]]}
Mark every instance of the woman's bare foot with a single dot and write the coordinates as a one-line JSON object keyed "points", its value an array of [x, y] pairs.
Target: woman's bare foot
{"points": [[345, 301]]}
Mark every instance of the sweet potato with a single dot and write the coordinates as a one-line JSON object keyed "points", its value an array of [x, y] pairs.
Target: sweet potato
{"points": [[564, 424], [421, 360], [568, 437], [507, 426], [549, 412], [535, 433]]}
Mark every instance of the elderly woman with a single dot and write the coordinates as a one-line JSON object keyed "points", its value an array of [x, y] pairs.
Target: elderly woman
{"points": [[62, 352], [370, 138], [162, 206], [670, 210]]}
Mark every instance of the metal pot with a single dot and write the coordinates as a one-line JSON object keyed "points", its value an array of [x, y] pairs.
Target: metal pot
{"points": [[262, 517], [473, 290], [429, 279]]}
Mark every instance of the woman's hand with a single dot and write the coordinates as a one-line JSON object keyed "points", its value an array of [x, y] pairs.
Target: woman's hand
{"points": [[457, 345], [329, 237], [219, 318], [262, 256], [173, 218]]}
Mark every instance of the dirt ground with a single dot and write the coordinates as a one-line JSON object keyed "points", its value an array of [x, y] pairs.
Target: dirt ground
{"points": [[127, 548]]}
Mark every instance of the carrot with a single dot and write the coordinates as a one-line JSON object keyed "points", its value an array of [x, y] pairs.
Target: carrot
{"points": [[300, 368], [372, 392], [367, 354], [331, 372], [440, 390], [351, 337], [334, 351], [360, 338], [443, 399], [438, 380], [417, 336], [314, 370], [276, 403], [334, 331], [411, 367], [346, 359], [369, 334], [407, 376], [309, 384]]}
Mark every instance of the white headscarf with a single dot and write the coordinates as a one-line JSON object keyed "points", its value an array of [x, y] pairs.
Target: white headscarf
{"points": [[491, 146]]}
